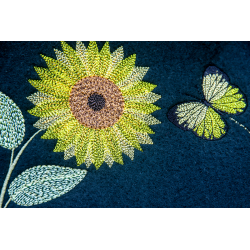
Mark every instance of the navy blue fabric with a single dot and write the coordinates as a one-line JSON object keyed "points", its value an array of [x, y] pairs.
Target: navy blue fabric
{"points": [[180, 169]]}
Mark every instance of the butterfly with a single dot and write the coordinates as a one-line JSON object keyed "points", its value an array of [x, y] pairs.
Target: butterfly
{"points": [[204, 118]]}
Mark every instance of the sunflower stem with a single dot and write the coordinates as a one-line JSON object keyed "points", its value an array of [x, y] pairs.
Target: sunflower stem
{"points": [[12, 166], [7, 203]]}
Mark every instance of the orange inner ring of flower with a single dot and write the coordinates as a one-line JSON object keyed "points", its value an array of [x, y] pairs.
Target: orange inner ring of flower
{"points": [[96, 102]]}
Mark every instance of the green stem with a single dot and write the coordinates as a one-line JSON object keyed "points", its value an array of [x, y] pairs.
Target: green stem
{"points": [[6, 205], [12, 166]]}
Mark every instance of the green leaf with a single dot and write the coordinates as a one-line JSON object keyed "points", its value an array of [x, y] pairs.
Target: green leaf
{"points": [[43, 183], [12, 128]]}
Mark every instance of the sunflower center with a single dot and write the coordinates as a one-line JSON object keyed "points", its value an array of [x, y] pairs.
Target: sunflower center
{"points": [[96, 102]]}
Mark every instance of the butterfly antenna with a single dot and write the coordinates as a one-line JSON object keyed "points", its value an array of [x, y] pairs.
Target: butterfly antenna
{"points": [[240, 124], [192, 96]]}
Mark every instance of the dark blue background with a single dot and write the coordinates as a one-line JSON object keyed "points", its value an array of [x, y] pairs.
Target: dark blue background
{"points": [[180, 169]]}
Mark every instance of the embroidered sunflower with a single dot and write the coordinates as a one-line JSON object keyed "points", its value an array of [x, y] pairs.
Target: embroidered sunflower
{"points": [[95, 104]]}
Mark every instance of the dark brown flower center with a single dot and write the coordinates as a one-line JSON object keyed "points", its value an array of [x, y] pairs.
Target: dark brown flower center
{"points": [[96, 102]]}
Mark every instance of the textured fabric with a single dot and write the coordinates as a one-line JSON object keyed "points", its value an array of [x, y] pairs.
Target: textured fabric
{"points": [[179, 169]]}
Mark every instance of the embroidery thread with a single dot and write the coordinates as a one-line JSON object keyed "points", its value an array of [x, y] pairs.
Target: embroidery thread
{"points": [[38, 184], [95, 104], [204, 118]]}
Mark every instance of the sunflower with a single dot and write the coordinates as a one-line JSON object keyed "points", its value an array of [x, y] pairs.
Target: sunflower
{"points": [[95, 104]]}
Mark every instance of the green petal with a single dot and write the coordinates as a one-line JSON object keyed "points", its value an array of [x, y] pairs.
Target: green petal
{"points": [[52, 132], [93, 58], [139, 88], [48, 109], [144, 108], [49, 84], [67, 136], [39, 97], [136, 76], [82, 53], [97, 149], [59, 69], [136, 124], [74, 60], [111, 141], [105, 59], [116, 58], [82, 146], [128, 133], [123, 69]]}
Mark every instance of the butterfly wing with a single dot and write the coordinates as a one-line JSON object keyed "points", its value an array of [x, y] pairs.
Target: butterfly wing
{"points": [[220, 94], [199, 118]]}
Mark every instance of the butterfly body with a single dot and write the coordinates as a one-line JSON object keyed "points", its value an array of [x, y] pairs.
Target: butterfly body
{"points": [[204, 117], [206, 103]]}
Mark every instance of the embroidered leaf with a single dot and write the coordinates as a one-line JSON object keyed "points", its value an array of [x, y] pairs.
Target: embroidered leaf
{"points": [[12, 126], [43, 183]]}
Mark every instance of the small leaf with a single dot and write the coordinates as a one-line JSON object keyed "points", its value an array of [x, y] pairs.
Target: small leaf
{"points": [[43, 183], [12, 128]]}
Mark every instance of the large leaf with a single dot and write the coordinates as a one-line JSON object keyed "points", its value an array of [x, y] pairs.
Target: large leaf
{"points": [[43, 183], [12, 126]]}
